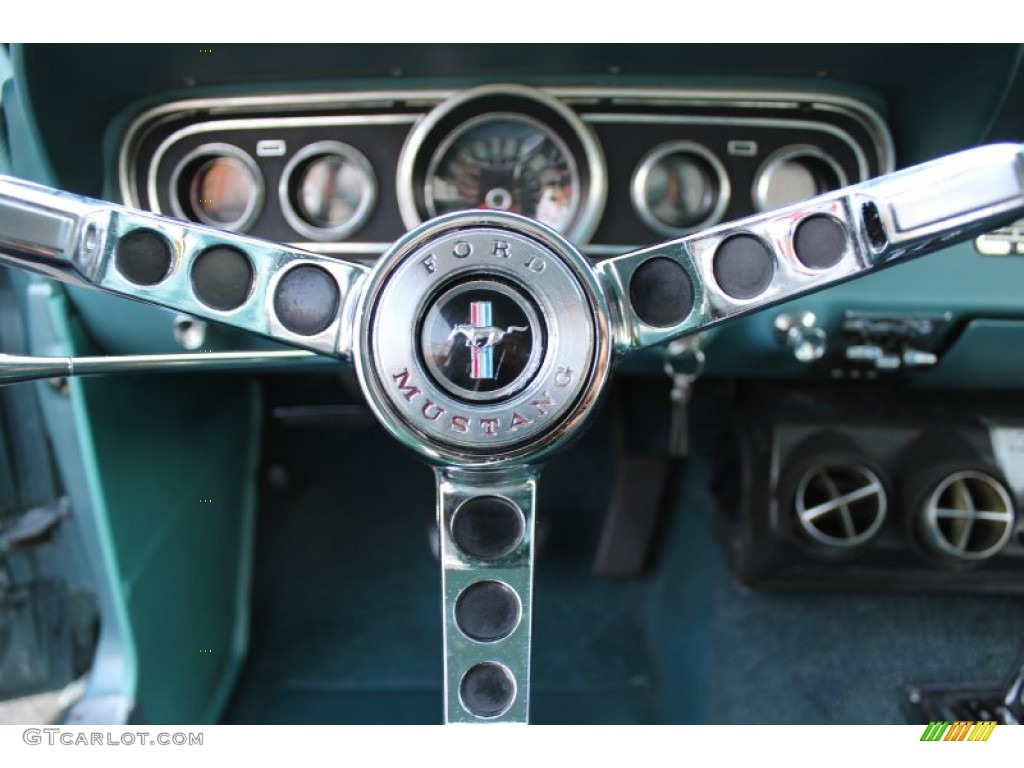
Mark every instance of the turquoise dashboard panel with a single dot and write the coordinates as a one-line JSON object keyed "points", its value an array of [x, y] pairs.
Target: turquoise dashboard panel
{"points": [[989, 353], [957, 280]]}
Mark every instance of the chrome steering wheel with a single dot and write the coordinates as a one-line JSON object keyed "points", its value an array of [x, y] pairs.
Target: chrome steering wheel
{"points": [[482, 341]]}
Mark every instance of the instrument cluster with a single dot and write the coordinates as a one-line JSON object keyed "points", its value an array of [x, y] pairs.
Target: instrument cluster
{"points": [[611, 169]]}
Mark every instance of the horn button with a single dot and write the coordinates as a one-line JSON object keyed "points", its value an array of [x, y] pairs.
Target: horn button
{"points": [[482, 341]]}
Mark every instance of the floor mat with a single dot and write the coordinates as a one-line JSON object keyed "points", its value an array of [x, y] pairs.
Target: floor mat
{"points": [[835, 658]]}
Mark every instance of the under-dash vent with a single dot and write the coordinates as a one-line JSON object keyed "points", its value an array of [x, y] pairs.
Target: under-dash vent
{"points": [[969, 515], [840, 504]]}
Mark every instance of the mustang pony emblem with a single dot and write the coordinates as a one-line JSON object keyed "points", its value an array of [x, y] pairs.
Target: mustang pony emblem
{"points": [[481, 337], [485, 336]]}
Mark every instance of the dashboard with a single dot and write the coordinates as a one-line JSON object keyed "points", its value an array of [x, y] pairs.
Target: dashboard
{"points": [[611, 169]]}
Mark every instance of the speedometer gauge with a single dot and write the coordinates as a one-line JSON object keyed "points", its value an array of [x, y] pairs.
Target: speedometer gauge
{"points": [[504, 148], [507, 163]]}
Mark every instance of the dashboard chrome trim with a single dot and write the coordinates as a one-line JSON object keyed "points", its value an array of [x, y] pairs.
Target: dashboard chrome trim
{"points": [[770, 98], [590, 208], [648, 162], [220, 149], [366, 203], [217, 107], [244, 124], [219, 110], [749, 98], [875, 127], [775, 160], [465, 126], [808, 125]]}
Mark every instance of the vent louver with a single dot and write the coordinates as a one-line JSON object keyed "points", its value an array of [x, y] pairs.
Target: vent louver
{"points": [[840, 504], [969, 515]]}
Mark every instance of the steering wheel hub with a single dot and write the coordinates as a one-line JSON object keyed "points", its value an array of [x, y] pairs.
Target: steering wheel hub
{"points": [[482, 338]]}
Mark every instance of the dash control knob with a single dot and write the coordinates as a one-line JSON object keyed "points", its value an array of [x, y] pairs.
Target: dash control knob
{"points": [[801, 335]]}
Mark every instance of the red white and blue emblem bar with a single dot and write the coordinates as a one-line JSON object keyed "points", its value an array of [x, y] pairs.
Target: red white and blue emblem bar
{"points": [[481, 358]]}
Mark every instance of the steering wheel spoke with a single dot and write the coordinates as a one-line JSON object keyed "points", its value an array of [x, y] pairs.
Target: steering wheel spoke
{"points": [[684, 286], [486, 527], [298, 298]]}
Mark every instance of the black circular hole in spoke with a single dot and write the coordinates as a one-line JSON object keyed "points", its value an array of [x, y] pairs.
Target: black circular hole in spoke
{"points": [[487, 611], [487, 689], [488, 527], [743, 266], [222, 277], [661, 292], [143, 256], [306, 300], [820, 241]]}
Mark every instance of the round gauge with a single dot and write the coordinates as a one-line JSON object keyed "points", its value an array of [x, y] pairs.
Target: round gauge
{"points": [[219, 185], [679, 187], [504, 148], [327, 190], [505, 163], [794, 174]]}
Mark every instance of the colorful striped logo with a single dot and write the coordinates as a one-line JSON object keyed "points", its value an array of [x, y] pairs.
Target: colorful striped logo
{"points": [[481, 357], [959, 730]]}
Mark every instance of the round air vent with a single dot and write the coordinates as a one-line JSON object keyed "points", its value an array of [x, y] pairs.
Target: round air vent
{"points": [[840, 503], [968, 515]]}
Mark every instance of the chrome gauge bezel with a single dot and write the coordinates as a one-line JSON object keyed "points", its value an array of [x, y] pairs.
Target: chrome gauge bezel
{"points": [[648, 163], [450, 118], [759, 191], [366, 204], [463, 128], [219, 149]]}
